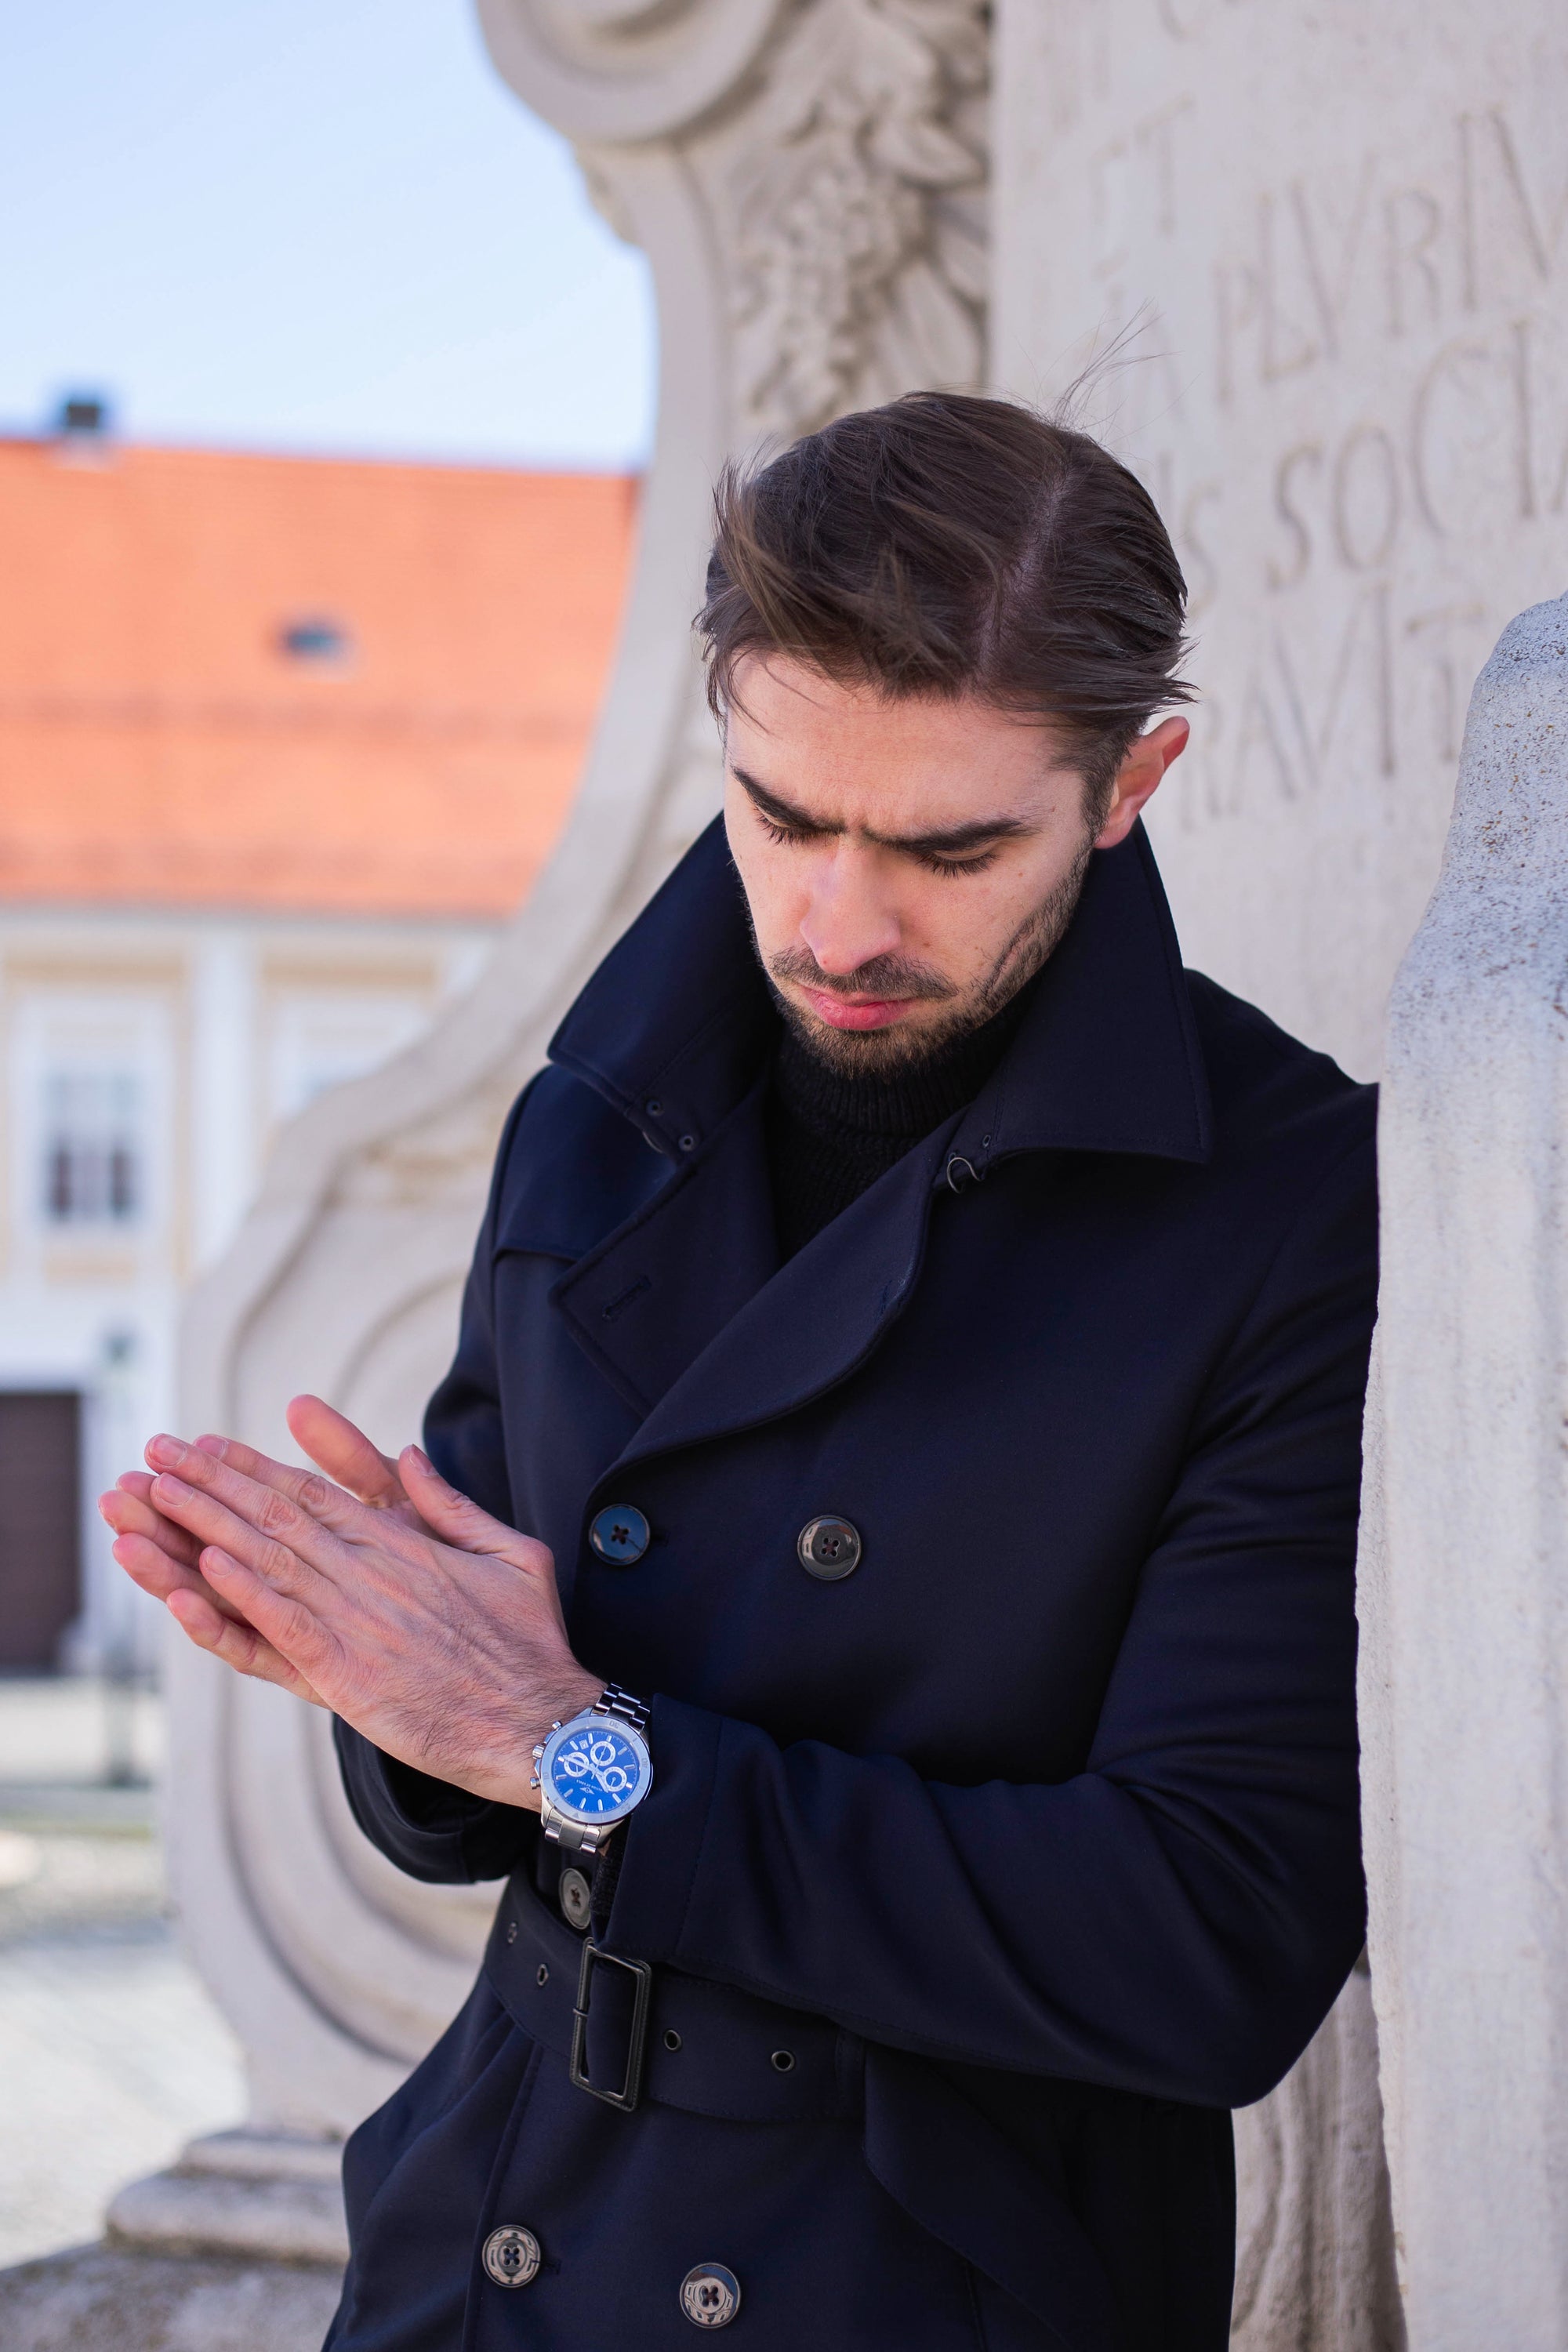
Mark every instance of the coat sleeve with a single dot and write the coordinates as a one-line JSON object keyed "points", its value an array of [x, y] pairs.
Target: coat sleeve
{"points": [[427, 1828], [1177, 1918]]}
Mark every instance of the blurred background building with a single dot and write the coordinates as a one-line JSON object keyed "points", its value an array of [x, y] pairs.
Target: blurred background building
{"points": [[325, 400], [282, 741]]}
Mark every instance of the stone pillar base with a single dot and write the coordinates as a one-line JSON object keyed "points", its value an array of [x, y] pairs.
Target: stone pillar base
{"points": [[239, 2247]]}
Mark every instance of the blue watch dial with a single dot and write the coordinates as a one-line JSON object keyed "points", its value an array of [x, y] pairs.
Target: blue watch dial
{"points": [[595, 1772]]}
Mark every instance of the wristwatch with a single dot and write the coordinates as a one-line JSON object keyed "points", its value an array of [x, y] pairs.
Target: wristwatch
{"points": [[594, 1770]]}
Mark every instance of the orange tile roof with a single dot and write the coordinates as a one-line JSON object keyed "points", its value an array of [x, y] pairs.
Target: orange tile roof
{"points": [[158, 746]]}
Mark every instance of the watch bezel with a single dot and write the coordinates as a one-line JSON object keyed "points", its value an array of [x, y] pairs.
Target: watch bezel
{"points": [[578, 1815]]}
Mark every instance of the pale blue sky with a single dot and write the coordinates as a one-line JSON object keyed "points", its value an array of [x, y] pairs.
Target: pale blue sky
{"points": [[305, 225]]}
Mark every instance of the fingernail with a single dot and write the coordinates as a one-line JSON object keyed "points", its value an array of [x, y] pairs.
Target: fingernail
{"points": [[424, 1460], [164, 1449], [171, 1490]]}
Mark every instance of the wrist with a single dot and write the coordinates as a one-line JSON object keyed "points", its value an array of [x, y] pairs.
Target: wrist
{"points": [[576, 1691]]}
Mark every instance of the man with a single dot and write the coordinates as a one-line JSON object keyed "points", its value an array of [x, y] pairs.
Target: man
{"points": [[920, 1333]]}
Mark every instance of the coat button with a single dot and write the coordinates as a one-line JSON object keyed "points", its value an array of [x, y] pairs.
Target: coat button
{"points": [[511, 2255], [829, 1548], [711, 2295], [620, 1535], [576, 1898]]}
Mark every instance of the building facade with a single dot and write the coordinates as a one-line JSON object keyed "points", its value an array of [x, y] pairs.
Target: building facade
{"points": [[281, 743]]}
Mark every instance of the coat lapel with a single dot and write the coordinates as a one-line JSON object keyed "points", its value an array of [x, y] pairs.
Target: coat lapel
{"points": [[657, 1292], [819, 1316], [1108, 1059], [684, 1306]]}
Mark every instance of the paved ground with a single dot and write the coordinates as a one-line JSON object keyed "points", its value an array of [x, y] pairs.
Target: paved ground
{"points": [[111, 2055]]}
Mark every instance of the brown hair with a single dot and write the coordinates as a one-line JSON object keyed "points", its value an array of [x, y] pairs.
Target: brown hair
{"points": [[948, 544]]}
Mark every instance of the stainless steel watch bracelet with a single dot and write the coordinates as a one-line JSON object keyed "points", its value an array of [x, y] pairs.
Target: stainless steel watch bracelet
{"points": [[614, 1700]]}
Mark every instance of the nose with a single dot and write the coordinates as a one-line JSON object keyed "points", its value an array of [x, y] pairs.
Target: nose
{"points": [[848, 918]]}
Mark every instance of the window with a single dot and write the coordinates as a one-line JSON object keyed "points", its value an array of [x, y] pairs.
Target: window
{"points": [[93, 1162], [316, 639]]}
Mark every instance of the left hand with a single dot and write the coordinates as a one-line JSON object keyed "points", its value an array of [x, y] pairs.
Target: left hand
{"points": [[433, 1629]]}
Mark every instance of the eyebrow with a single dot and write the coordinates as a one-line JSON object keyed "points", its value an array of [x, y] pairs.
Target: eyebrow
{"points": [[951, 841]]}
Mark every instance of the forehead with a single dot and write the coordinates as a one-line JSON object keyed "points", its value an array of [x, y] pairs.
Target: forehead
{"points": [[847, 751]]}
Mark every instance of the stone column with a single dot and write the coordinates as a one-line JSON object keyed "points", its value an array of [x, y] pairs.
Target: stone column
{"points": [[1463, 1577], [1317, 248]]}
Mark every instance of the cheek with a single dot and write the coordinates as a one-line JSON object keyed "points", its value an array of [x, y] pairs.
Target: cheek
{"points": [[961, 924]]}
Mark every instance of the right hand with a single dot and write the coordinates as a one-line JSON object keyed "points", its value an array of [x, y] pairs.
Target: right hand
{"points": [[163, 1559]]}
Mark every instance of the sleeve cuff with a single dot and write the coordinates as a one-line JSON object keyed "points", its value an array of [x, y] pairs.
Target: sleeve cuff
{"points": [[429, 1828], [663, 1839]]}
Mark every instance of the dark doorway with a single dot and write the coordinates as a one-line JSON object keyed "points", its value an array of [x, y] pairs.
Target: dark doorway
{"points": [[40, 1524]]}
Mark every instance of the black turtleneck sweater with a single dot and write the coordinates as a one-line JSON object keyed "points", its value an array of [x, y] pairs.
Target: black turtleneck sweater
{"points": [[831, 1136]]}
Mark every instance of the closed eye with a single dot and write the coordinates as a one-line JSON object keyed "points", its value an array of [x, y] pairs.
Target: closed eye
{"points": [[939, 865], [785, 832], [787, 835]]}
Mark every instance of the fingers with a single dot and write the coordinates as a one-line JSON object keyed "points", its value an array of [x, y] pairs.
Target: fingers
{"points": [[303, 1487], [459, 1521], [460, 1524], [224, 1634], [160, 1557], [163, 1559], [283, 1622], [256, 1524], [298, 1508], [148, 1565], [345, 1453], [129, 1509]]}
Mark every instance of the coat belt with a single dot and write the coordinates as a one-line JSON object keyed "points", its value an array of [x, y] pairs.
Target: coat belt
{"points": [[708, 2048], [714, 2050]]}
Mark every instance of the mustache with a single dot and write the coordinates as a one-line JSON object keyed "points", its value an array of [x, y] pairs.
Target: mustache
{"points": [[887, 975]]}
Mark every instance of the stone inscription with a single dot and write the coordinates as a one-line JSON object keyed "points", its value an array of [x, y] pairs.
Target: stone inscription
{"points": [[1400, 342]]}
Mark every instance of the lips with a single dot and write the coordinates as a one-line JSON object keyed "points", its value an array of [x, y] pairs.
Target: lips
{"points": [[856, 1011]]}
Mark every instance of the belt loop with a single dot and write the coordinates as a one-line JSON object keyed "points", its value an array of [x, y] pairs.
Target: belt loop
{"points": [[626, 2098]]}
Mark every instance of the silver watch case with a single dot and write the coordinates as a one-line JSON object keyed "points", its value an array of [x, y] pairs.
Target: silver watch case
{"points": [[574, 1826]]}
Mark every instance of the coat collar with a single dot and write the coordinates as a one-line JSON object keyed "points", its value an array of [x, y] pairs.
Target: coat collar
{"points": [[684, 1307], [672, 1027]]}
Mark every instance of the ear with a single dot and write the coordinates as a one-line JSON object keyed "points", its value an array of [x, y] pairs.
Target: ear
{"points": [[1138, 777]]}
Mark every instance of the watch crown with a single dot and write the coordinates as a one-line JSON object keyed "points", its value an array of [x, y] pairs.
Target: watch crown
{"points": [[539, 1752]]}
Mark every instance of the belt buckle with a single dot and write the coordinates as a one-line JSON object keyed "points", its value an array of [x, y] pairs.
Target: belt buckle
{"points": [[626, 2098]]}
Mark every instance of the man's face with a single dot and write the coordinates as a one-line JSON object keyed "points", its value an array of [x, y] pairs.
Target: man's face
{"points": [[908, 862]]}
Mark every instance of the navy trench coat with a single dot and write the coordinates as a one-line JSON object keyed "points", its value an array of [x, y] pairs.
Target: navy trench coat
{"points": [[978, 1885]]}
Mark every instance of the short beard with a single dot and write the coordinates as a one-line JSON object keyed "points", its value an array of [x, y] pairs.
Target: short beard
{"points": [[868, 1053]]}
